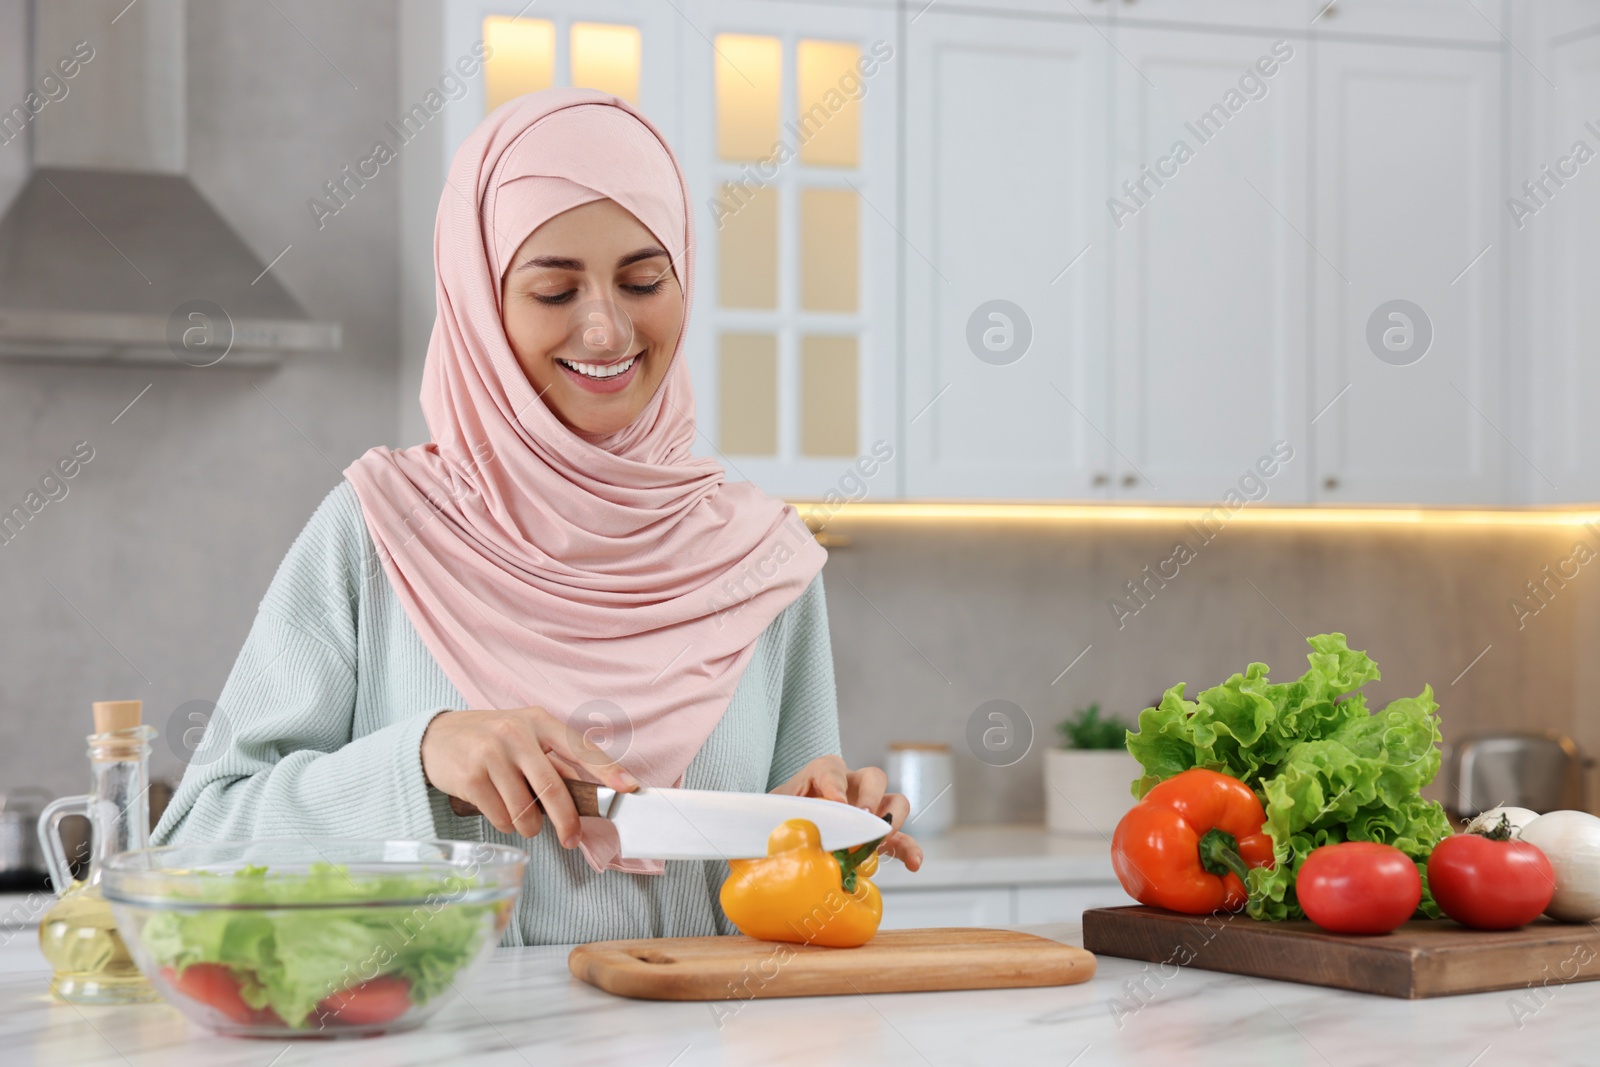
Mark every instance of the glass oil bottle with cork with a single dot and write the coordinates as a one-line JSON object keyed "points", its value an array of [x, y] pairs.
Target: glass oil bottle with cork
{"points": [[78, 935]]}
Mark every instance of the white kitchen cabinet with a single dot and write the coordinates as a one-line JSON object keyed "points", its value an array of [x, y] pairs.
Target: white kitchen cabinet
{"points": [[1239, 287], [1554, 229], [1004, 258], [904, 909], [1285, 15], [1535, 24], [1210, 200], [1446, 20], [1012, 905], [1014, 335], [1000, 875], [1168, 347], [1407, 207], [1064, 903], [1079, 11]]}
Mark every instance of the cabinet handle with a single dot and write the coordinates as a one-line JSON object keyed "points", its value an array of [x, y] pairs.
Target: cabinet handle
{"points": [[1130, 480], [1330, 482], [1100, 479]]}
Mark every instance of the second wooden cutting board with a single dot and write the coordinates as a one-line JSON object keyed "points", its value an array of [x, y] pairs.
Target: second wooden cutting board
{"points": [[896, 961], [1421, 959]]}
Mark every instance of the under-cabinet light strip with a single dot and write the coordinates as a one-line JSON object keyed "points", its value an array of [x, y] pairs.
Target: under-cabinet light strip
{"points": [[822, 511]]}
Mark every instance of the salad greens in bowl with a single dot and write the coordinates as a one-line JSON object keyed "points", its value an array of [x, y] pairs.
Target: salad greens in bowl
{"points": [[312, 937]]}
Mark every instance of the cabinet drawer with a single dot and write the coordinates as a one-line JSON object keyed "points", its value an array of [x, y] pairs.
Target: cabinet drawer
{"points": [[907, 908], [1065, 903]]}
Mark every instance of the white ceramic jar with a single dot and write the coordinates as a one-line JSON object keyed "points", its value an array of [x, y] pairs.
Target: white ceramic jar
{"points": [[925, 773]]}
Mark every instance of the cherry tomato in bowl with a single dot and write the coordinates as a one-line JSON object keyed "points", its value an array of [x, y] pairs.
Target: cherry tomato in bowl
{"points": [[1358, 887], [370, 1003], [214, 985], [1489, 884]]}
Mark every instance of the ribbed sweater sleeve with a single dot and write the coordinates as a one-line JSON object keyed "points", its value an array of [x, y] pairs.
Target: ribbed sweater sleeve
{"points": [[279, 756], [808, 702]]}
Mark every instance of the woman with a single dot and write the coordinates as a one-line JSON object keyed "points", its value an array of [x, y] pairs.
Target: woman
{"points": [[554, 586]]}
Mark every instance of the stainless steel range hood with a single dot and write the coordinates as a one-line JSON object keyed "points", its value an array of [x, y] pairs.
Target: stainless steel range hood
{"points": [[109, 251]]}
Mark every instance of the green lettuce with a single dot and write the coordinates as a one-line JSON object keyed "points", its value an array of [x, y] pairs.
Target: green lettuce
{"points": [[1326, 769], [289, 960]]}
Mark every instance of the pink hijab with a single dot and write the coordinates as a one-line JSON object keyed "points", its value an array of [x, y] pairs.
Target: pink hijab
{"points": [[619, 583]]}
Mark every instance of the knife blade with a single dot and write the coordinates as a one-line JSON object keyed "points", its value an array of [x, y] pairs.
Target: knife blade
{"points": [[709, 824]]}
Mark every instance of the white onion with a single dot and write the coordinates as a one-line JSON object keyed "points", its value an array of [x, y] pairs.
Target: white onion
{"points": [[1570, 840], [1518, 817]]}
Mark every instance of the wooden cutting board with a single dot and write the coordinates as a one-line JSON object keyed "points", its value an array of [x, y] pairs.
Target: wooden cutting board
{"points": [[1421, 959], [896, 961]]}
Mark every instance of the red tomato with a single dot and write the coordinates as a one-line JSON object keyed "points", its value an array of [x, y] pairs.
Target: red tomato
{"points": [[377, 1000], [1490, 885], [213, 985], [1358, 887]]}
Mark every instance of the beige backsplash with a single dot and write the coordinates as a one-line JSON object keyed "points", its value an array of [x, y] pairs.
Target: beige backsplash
{"points": [[932, 618]]}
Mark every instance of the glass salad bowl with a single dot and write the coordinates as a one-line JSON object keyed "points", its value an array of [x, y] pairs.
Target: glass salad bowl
{"points": [[301, 937]]}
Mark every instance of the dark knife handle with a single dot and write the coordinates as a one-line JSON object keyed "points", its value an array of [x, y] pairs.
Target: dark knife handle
{"points": [[584, 795]]}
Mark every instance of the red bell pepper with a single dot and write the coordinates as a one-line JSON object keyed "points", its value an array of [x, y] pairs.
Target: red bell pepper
{"points": [[1187, 845]]}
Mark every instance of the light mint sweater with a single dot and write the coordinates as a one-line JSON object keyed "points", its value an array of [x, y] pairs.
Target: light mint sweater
{"points": [[318, 731]]}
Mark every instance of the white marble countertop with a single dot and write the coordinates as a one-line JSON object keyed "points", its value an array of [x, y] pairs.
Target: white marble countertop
{"points": [[967, 856], [524, 1009]]}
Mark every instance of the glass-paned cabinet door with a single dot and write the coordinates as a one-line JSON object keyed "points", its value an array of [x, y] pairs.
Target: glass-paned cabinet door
{"points": [[788, 140], [520, 57], [628, 48]]}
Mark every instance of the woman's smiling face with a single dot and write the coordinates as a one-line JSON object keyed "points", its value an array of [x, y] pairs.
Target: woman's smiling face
{"points": [[592, 309]]}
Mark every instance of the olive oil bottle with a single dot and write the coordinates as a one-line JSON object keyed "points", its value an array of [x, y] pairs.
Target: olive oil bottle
{"points": [[78, 935]]}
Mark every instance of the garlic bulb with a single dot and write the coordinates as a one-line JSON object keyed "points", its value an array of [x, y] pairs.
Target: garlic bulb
{"points": [[1570, 840], [1518, 817]]}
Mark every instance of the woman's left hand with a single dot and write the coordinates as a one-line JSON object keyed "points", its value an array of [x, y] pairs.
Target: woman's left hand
{"points": [[828, 777]]}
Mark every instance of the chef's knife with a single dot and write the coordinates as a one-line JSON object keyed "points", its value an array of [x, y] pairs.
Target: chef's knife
{"points": [[707, 824]]}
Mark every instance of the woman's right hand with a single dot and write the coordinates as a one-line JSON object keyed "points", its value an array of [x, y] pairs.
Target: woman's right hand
{"points": [[499, 761]]}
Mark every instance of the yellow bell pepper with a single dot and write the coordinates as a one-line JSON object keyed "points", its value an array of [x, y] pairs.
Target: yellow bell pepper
{"points": [[801, 893]]}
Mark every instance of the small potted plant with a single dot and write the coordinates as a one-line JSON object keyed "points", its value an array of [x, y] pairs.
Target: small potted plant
{"points": [[1087, 778]]}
